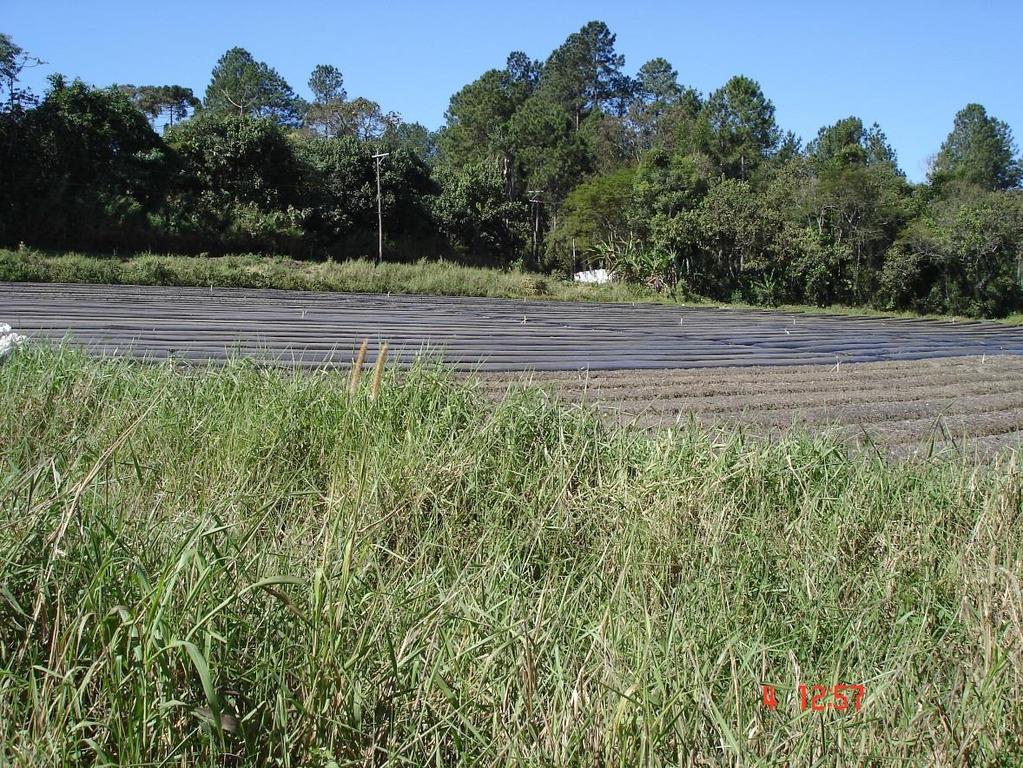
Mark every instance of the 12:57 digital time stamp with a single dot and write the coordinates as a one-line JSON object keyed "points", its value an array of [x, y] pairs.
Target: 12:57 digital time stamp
{"points": [[818, 698]]}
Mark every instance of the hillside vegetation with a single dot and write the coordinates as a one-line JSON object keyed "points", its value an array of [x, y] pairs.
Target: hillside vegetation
{"points": [[546, 165]]}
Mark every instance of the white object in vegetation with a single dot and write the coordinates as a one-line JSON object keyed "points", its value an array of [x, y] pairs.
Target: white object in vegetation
{"points": [[9, 340], [599, 276]]}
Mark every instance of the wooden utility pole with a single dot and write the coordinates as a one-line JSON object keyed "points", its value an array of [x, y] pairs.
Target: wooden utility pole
{"points": [[380, 209], [536, 201]]}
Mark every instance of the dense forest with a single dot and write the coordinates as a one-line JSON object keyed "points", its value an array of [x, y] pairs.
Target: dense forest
{"points": [[548, 165]]}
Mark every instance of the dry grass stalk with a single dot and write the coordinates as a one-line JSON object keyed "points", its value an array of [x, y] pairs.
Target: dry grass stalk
{"points": [[360, 359], [378, 371]]}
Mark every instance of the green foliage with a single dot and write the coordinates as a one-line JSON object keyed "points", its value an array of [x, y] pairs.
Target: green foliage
{"points": [[245, 159], [240, 180], [962, 257], [851, 199], [477, 118], [343, 196], [668, 184], [414, 137], [723, 245], [325, 114], [610, 142], [476, 122], [662, 106], [14, 59], [154, 101], [241, 85], [584, 74], [474, 214], [863, 207], [83, 163], [734, 233], [327, 84], [814, 266], [595, 213], [657, 81], [736, 127], [655, 268], [360, 118], [545, 165], [551, 156], [9, 53], [979, 150], [847, 143], [523, 74], [332, 114]]}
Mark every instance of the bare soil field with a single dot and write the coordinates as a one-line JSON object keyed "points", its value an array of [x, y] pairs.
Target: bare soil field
{"points": [[904, 408]]}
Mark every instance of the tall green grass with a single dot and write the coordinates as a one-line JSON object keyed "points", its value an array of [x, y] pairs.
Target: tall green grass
{"points": [[257, 567], [437, 278]]}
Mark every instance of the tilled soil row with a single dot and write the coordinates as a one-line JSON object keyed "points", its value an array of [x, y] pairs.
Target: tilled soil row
{"points": [[761, 393], [756, 379], [807, 403], [972, 404]]}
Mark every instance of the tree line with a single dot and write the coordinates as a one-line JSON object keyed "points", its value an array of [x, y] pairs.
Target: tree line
{"points": [[550, 165]]}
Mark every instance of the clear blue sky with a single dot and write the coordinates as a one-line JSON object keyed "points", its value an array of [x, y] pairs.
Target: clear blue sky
{"points": [[907, 65]]}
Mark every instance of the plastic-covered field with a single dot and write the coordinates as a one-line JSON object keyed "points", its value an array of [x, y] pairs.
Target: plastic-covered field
{"points": [[905, 385], [486, 334]]}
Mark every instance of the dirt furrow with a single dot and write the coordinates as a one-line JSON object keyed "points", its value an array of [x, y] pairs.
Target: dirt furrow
{"points": [[904, 408]]}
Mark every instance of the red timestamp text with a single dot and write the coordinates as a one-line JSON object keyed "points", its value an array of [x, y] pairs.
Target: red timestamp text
{"points": [[818, 698]]}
